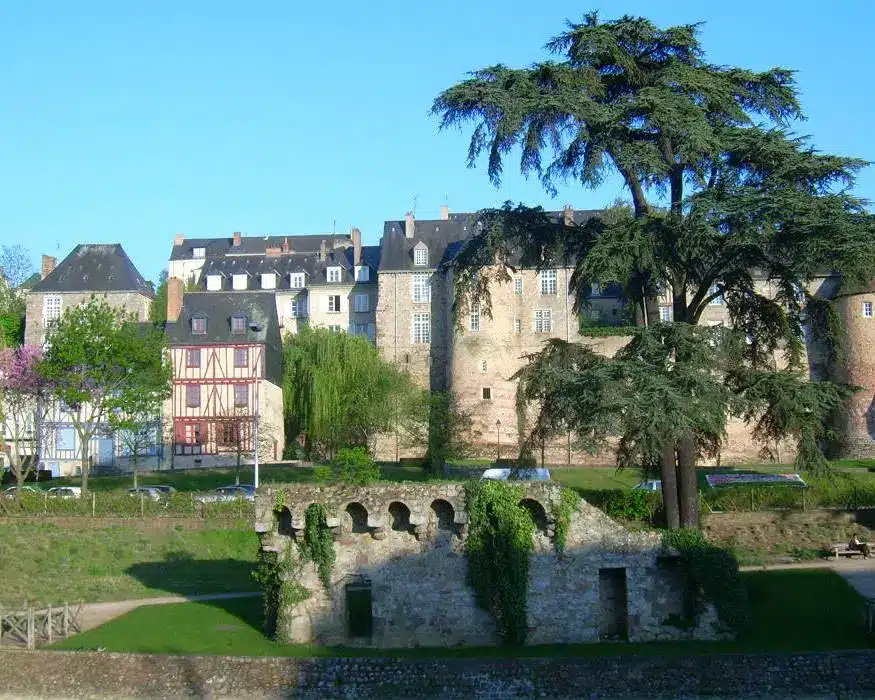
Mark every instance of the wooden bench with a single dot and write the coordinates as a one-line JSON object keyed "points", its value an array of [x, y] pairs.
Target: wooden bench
{"points": [[842, 550]]}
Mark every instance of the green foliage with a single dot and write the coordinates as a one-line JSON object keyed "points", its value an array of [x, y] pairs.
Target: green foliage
{"points": [[121, 505], [280, 590], [606, 331], [714, 574], [354, 465], [567, 505], [318, 544], [11, 329], [498, 545], [449, 429], [158, 310], [632, 506], [339, 391]]}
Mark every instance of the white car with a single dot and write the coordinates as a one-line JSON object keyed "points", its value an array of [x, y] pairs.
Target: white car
{"points": [[65, 492], [651, 486], [524, 474], [149, 492], [228, 494]]}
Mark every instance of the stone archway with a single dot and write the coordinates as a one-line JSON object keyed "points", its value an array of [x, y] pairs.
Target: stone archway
{"points": [[355, 519], [538, 514], [400, 514], [284, 521]]}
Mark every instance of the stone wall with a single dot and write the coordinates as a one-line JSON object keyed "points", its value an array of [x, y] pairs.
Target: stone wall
{"points": [[406, 543]]}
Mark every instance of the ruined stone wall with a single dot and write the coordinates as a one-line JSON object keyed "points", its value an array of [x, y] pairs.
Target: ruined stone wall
{"points": [[406, 541]]}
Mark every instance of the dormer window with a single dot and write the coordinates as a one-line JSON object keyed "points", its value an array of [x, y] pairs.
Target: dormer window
{"points": [[296, 280], [199, 325], [334, 274], [198, 252], [214, 283], [362, 273], [238, 324], [239, 281], [420, 255], [268, 280]]}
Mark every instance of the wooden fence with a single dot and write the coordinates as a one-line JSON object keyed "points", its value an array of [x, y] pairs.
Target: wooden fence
{"points": [[33, 626]]}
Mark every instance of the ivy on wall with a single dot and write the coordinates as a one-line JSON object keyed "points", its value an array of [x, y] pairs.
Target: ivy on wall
{"points": [[714, 575], [280, 589], [318, 545], [568, 503], [498, 546]]}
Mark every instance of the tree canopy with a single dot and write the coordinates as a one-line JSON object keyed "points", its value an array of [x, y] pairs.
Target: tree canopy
{"points": [[723, 197]]}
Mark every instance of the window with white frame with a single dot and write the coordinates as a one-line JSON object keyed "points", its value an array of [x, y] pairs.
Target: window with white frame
{"points": [[361, 303], [474, 319], [421, 329], [420, 255], [51, 309], [199, 325], [718, 300], [548, 281], [241, 357], [517, 325], [193, 357], [241, 395], [665, 314], [198, 252], [238, 324], [543, 321], [193, 395], [268, 280], [360, 328], [214, 283], [867, 309], [239, 281], [421, 287], [296, 280], [334, 303], [518, 286], [298, 307], [362, 273], [333, 274], [335, 328]]}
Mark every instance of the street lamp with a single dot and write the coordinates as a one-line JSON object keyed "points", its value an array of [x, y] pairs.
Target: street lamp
{"points": [[498, 435]]}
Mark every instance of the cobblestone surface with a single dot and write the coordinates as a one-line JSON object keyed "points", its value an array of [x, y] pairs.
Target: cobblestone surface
{"points": [[101, 675]]}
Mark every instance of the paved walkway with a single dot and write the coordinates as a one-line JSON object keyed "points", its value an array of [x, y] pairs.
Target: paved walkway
{"points": [[858, 572]]}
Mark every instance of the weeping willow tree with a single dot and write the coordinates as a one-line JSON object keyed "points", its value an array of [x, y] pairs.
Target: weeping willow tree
{"points": [[338, 392]]}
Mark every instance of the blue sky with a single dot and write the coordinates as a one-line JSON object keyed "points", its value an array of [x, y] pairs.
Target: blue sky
{"points": [[132, 121]]}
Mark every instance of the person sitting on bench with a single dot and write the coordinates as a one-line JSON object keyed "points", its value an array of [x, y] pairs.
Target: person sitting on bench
{"points": [[858, 546]]}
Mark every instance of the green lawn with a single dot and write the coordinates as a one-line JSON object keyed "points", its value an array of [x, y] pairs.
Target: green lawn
{"points": [[52, 563], [801, 610]]}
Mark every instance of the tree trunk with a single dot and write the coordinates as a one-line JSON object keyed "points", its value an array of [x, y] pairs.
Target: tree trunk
{"points": [[669, 477], [688, 487], [84, 470]]}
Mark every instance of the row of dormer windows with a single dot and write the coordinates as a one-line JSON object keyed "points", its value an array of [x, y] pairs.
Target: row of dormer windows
{"points": [[297, 280]]}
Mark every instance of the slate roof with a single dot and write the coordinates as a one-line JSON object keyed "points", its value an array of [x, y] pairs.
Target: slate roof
{"points": [[258, 307], [444, 238], [308, 263], [253, 245], [95, 267]]}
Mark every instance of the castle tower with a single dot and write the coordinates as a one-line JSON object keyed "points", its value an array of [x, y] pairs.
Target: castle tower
{"points": [[857, 311]]}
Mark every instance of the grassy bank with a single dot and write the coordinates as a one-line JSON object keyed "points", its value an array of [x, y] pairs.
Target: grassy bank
{"points": [[788, 614], [54, 562]]}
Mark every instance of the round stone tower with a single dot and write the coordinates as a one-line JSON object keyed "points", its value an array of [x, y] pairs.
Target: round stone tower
{"points": [[857, 311]]}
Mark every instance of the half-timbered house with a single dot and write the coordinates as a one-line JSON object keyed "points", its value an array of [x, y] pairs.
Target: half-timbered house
{"points": [[227, 358]]}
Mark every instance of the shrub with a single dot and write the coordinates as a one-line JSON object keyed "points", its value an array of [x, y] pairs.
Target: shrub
{"points": [[354, 465]]}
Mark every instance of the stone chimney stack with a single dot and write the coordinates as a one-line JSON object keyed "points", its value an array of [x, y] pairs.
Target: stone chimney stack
{"points": [[568, 215], [179, 239], [323, 251], [445, 212], [48, 265], [409, 225], [285, 248], [237, 239], [174, 299], [356, 236]]}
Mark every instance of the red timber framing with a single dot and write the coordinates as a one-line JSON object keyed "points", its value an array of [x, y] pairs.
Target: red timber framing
{"points": [[222, 422]]}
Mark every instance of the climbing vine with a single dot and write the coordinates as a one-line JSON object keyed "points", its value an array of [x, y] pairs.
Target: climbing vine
{"points": [[318, 545], [567, 504], [498, 546], [714, 575], [281, 590]]}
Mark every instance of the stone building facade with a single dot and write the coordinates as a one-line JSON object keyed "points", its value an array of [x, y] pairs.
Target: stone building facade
{"points": [[400, 555]]}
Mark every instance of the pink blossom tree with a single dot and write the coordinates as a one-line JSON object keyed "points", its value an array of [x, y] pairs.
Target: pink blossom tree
{"points": [[22, 394]]}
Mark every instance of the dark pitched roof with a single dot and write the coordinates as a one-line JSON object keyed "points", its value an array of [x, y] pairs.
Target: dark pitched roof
{"points": [[254, 245], [444, 238], [95, 267], [262, 326], [308, 263]]}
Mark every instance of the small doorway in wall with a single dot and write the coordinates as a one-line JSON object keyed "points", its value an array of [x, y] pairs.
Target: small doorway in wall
{"points": [[359, 609], [614, 620]]}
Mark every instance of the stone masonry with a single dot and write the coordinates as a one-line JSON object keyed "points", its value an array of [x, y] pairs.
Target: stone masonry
{"points": [[405, 544]]}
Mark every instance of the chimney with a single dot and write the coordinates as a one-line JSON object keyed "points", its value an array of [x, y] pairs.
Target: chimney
{"points": [[285, 246], [323, 251], [49, 263], [568, 215], [237, 239], [179, 239], [356, 236], [174, 299], [445, 212], [409, 225]]}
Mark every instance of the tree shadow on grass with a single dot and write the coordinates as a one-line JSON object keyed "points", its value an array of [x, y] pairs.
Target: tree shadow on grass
{"points": [[181, 574]]}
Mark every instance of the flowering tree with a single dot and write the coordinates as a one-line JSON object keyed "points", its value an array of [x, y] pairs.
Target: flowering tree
{"points": [[22, 390]]}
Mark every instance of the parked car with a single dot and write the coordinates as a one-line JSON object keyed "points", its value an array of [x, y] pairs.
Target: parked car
{"points": [[12, 491], [65, 492], [228, 494], [650, 486], [149, 492], [166, 490], [523, 474]]}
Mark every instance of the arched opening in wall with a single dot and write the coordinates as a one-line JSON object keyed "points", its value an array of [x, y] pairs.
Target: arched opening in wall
{"points": [[355, 519], [400, 517], [283, 521], [442, 515], [538, 514]]}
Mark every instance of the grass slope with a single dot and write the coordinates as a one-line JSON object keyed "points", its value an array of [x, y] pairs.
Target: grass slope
{"points": [[52, 563], [789, 613]]}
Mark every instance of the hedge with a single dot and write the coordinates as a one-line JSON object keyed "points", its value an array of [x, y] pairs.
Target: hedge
{"points": [[122, 505]]}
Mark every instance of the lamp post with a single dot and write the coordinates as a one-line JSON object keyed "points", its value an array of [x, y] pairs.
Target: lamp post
{"points": [[498, 436], [255, 434]]}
